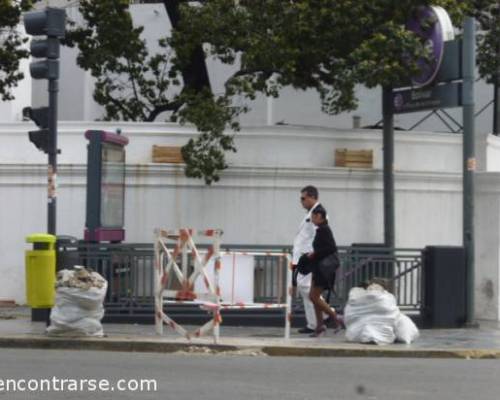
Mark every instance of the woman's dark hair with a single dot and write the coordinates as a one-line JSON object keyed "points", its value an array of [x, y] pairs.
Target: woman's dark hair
{"points": [[321, 211], [311, 191]]}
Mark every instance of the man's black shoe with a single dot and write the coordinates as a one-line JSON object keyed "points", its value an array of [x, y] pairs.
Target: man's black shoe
{"points": [[305, 329]]}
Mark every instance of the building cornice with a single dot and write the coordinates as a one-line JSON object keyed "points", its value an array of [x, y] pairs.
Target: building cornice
{"points": [[148, 129], [168, 175]]}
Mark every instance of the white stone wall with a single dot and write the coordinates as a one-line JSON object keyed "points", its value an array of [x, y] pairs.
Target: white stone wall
{"points": [[493, 153], [487, 224], [257, 199]]}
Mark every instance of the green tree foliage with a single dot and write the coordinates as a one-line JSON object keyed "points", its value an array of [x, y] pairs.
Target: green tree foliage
{"points": [[134, 85], [131, 84], [11, 51], [488, 39], [327, 45]]}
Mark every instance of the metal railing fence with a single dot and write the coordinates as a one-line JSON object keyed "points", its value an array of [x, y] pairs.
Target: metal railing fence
{"points": [[129, 271], [399, 269]]}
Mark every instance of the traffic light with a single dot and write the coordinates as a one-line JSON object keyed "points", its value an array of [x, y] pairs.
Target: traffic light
{"points": [[52, 23], [41, 137]]}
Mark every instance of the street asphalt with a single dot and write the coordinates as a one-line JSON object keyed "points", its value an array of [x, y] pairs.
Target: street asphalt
{"points": [[182, 376]]}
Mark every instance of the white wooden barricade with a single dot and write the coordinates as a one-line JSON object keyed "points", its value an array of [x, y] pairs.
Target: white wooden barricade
{"points": [[166, 265]]}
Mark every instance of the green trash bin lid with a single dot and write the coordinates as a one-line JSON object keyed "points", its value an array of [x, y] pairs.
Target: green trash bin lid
{"points": [[40, 238]]}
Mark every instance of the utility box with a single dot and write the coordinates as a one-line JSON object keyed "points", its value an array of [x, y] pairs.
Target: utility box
{"points": [[444, 291], [41, 271]]}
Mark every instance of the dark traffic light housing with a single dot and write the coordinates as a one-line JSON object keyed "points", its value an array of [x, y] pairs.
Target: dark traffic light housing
{"points": [[40, 116], [45, 69], [50, 22]]}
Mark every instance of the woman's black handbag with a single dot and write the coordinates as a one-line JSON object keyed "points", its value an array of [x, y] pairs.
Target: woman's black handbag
{"points": [[304, 265], [328, 266]]}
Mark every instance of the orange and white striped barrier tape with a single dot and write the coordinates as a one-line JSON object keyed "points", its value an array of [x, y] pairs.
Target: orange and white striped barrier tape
{"points": [[166, 266]]}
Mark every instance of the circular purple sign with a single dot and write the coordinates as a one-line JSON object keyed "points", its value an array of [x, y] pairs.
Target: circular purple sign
{"points": [[429, 26]]}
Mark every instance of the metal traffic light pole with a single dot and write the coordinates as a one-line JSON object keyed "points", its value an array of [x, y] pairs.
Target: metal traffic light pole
{"points": [[52, 168], [49, 22]]}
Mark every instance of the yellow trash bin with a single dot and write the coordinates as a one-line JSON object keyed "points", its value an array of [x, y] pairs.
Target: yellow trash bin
{"points": [[41, 270]]}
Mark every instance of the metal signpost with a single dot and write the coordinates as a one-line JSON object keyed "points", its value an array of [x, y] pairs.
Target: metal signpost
{"points": [[416, 96], [388, 148], [469, 162], [446, 81]]}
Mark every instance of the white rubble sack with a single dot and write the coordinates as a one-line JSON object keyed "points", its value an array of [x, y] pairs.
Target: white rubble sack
{"points": [[79, 304], [370, 315], [405, 329]]}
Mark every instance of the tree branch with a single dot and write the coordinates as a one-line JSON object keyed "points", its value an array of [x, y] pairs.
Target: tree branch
{"points": [[171, 106], [195, 74], [134, 88], [122, 108]]}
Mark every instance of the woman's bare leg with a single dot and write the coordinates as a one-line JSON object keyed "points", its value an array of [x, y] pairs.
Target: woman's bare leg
{"points": [[319, 318], [320, 307]]}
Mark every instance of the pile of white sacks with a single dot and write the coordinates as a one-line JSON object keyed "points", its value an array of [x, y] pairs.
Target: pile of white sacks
{"points": [[79, 306], [372, 316]]}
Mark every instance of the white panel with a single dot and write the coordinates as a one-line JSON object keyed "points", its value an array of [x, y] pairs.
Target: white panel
{"points": [[235, 279]]}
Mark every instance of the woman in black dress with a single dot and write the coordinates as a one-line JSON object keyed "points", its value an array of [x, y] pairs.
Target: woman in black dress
{"points": [[323, 246]]}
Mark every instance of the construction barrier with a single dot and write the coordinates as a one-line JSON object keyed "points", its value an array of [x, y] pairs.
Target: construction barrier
{"points": [[166, 266]]}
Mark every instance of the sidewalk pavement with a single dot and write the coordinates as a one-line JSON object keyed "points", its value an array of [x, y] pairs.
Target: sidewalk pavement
{"points": [[17, 331]]}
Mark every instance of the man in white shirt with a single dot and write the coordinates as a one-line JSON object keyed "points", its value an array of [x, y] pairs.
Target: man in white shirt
{"points": [[303, 245]]}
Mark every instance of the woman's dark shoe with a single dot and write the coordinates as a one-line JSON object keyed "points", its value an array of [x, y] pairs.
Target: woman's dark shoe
{"points": [[305, 329], [318, 332]]}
